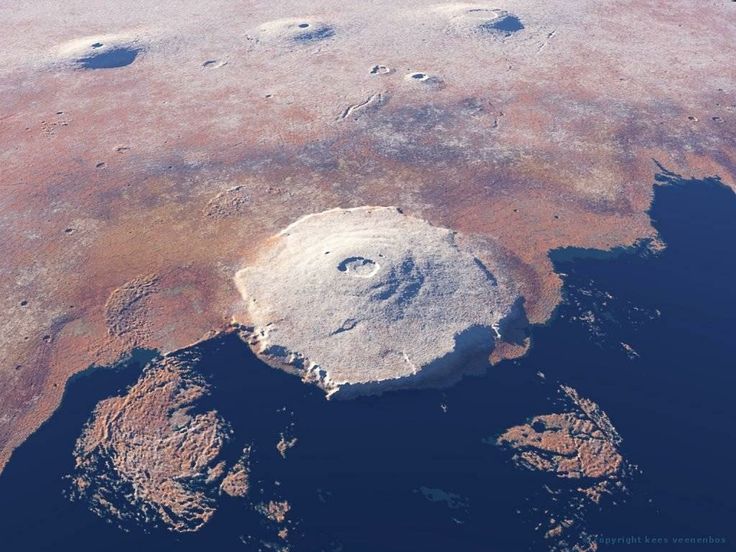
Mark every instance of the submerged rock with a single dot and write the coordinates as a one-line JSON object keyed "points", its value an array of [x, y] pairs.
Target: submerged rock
{"points": [[365, 299]]}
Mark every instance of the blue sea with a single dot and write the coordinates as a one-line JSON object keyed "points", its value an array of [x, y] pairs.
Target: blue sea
{"points": [[648, 337]]}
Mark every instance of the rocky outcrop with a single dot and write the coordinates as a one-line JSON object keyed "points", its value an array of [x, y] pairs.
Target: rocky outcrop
{"points": [[581, 443], [149, 458], [580, 446], [237, 481]]}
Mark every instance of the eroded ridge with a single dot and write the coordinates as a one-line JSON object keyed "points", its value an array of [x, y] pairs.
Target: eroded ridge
{"points": [[126, 309], [148, 458], [361, 300]]}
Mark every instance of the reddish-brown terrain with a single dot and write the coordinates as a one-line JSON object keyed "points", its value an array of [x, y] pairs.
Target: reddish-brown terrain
{"points": [[151, 443], [580, 444], [157, 456], [130, 196]]}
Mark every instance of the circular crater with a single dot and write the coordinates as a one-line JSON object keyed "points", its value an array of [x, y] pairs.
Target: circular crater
{"points": [[380, 69], [359, 267], [424, 79]]}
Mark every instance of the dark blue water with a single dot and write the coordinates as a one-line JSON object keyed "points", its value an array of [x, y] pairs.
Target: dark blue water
{"points": [[397, 473], [674, 403]]}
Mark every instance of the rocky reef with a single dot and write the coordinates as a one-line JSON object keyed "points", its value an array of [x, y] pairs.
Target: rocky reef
{"points": [[159, 456], [581, 445], [149, 458], [366, 299], [578, 444]]}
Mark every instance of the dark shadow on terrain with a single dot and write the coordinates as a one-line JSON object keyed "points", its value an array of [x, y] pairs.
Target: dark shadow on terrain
{"points": [[514, 327], [320, 33], [469, 356], [507, 24], [110, 59]]}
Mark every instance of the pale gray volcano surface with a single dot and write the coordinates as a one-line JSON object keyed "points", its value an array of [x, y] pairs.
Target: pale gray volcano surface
{"points": [[360, 300]]}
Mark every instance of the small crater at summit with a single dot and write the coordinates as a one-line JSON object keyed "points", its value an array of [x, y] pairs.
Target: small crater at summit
{"points": [[101, 52], [358, 266], [412, 319], [423, 78]]}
